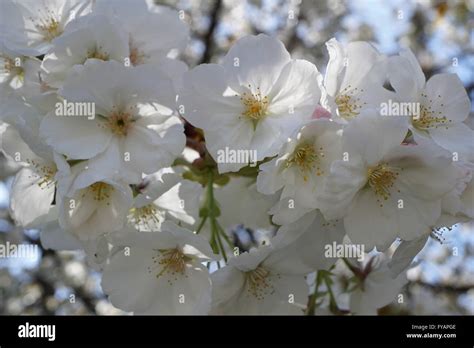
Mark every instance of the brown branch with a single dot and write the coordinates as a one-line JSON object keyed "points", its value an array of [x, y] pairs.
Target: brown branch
{"points": [[294, 39], [470, 88], [48, 291], [209, 37], [78, 291], [437, 288]]}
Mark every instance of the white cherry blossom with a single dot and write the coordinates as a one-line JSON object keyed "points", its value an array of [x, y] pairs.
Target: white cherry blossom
{"points": [[236, 187], [90, 206], [29, 26], [443, 102], [145, 44], [165, 196], [399, 187], [34, 185], [92, 37], [378, 287], [161, 273], [19, 74], [252, 101], [354, 79], [133, 115], [258, 282], [300, 169]]}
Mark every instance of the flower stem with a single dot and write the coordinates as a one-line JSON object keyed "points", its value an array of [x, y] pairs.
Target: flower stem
{"points": [[212, 212], [332, 299], [201, 224], [311, 307]]}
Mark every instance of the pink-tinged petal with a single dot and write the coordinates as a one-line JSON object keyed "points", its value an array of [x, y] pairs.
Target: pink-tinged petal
{"points": [[320, 112]]}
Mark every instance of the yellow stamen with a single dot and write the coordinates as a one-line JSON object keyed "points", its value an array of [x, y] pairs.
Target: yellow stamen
{"points": [[171, 262], [306, 158], [381, 179], [101, 191], [97, 53], [258, 284], [48, 25], [147, 215], [349, 105], [255, 106], [119, 123], [136, 56], [10, 67], [46, 173], [428, 117]]}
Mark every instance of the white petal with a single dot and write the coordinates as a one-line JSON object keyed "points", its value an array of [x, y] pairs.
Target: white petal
{"points": [[335, 68], [363, 64], [457, 138], [269, 179], [301, 245], [405, 253], [428, 172], [14, 147], [297, 87], [182, 201], [206, 97], [74, 47], [380, 134], [241, 203], [30, 199], [380, 230], [260, 60], [141, 144], [447, 95], [406, 76], [227, 284], [76, 137], [287, 211], [341, 187], [250, 260], [127, 283], [55, 238]]}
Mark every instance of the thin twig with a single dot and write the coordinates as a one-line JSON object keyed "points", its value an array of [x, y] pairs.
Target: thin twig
{"points": [[209, 37]]}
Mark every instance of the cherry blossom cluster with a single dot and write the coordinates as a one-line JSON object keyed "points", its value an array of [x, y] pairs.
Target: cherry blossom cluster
{"points": [[240, 187]]}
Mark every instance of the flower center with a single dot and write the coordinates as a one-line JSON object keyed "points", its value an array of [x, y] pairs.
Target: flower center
{"points": [[255, 106], [46, 174], [11, 67], [48, 25], [97, 53], [349, 105], [137, 56], [306, 158], [381, 179], [147, 216], [101, 191], [171, 262], [258, 284], [428, 117], [119, 123]]}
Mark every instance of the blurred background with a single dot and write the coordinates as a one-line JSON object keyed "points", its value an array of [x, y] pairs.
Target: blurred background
{"points": [[440, 33]]}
